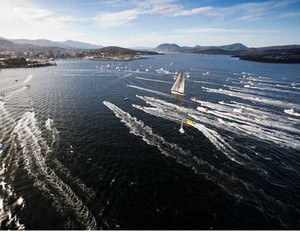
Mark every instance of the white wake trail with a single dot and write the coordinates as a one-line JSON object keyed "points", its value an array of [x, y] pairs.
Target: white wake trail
{"points": [[153, 80], [138, 128], [175, 113], [245, 114], [277, 90], [252, 97], [148, 90], [34, 149], [49, 124]]}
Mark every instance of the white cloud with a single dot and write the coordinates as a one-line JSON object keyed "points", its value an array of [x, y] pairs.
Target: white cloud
{"points": [[159, 6], [163, 9], [106, 20], [200, 10], [22, 19], [42, 16], [196, 30], [240, 12], [289, 15], [212, 30]]}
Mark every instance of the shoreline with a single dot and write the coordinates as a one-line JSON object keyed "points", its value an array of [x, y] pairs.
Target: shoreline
{"points": [[32, 66], [116, 59]]}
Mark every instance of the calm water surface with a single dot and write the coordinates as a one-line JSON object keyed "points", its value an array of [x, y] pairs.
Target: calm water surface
{"points": [[76, 155]]}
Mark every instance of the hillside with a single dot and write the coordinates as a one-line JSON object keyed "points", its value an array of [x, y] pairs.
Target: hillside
{"points": [[208, 49], [80, 45], [6, 45], [68, 44], [117, 51], [270, 54], [39, 42], [166, 47]]}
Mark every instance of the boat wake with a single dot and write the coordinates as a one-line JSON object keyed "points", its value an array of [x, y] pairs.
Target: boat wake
{"points": [[230, 183], [147, 79], [251, 97], [69, 195], [34, 150], [148, 90], [49, 125], [139, 129]]}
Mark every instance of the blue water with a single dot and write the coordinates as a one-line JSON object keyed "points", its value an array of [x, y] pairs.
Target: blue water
{"points": [[69, 161]]}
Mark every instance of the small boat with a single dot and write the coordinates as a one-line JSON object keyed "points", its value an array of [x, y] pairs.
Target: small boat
{"points": [[178, 87], [162, 70], [125, 98], [193, 99], [138, 106], [291, 112], [238, 110], [181, 130], [202, 109]]}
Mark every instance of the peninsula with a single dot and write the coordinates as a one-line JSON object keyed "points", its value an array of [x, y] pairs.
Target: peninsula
{"points": [[21, 62], [117, 54]]}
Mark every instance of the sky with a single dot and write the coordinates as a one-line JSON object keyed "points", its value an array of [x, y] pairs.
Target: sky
{"points": [[148, 23]]}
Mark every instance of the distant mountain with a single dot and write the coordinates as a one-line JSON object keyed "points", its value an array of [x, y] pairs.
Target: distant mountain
{"points": [[282, 47], [6, 45], [116, 51], [166, 47], [68, 44], [142, 48], [80, 45], [233, 47], [176, 48], [274, 49], [39, 42]]}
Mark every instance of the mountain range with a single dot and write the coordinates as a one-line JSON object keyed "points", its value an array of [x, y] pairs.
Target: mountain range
{"points": [[230, 49], [279, 54], [166, 47], [68, 44]]}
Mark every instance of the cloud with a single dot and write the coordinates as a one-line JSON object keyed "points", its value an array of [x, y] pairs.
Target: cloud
{"points": [[42, 16], [115, 19], [290, 15], [163, 7], [195, 30], [212, 30], [249, 11], [200, 10], [23, 19]]}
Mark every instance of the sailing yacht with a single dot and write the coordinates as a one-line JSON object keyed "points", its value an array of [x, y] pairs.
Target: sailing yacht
{"points": [[178, 87]]}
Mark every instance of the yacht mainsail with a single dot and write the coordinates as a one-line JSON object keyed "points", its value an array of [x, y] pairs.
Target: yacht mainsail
{"points": [[178, 87]]}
